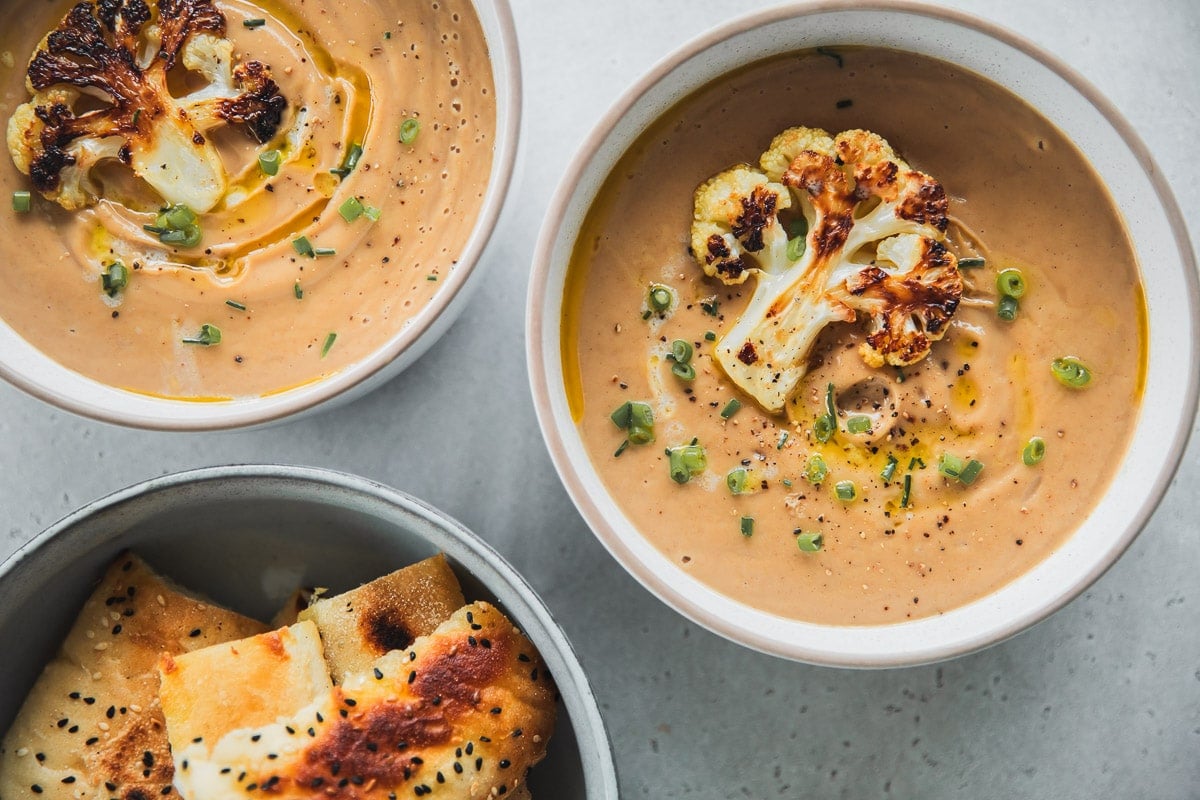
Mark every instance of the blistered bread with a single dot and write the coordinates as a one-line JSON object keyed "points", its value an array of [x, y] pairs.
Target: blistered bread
{"points": [[462, 713], [91, 727], [241, 684], [389, 613]]}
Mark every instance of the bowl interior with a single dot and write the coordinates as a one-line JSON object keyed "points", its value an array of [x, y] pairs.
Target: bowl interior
{"points": [[29, 369], [247, 537], [1153, 222]]}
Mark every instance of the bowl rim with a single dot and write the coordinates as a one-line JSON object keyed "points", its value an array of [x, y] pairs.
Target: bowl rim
{"points": [[606, 530], [503, 52], [598, 765]]}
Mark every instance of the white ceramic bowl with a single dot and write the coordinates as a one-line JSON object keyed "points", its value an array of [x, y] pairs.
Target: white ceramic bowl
{"points": [[29, 369], [1155, 226], [247, 536]]}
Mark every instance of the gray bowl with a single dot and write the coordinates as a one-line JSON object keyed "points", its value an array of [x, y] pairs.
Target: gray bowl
{"points": [[247, 536]]}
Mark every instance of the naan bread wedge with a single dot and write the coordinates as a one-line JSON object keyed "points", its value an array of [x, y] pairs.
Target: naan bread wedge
{"points": [[91, 726], [389, 613], [462, 714], [241, 684]]}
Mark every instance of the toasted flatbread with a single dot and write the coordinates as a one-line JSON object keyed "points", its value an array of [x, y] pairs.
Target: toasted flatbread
{"points": [[91, 726], [242, 684], [464, 712], [389, 613]]}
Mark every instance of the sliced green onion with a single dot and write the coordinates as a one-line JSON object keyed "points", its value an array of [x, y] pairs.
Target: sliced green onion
{"points": [[637, 418], [641, 434], [731, 408], [951, 466], [747, 526], [269, 162], [809, 541], [235, 304], [858, 424], [783, 437], [736, 479], [972, 262], [208, 336], [623, 415], [352, 209], [22, 201], [177, 225], [641, 415], [686, 461], [177, 216], [711, 306], [1011, 283], [431, 278], [659, 298], [846, 491], [372, 213], [329, 340], [918, 463], [970, 472], [683, 371], [353, 155], [830, 406], [889, 471], [816, 469], [303, 246], [1070, 371], [824, 428], [906, 494], [787, 482], [409, 130], [710, 336], [114, 278], [1007, 308], [319, 252], [1034, 451], [298, 290], [797, 232], [681, 351], [253, 23]]}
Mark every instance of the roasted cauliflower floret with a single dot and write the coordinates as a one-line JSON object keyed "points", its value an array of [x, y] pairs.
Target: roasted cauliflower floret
{"points": [[120, 52], [872, 251]]}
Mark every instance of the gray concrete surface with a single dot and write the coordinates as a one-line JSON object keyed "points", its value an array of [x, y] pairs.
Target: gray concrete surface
{"points": [[1100, 701]]}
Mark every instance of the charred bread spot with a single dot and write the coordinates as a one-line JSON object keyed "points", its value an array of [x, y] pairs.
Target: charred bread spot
{"points": [[384, 630], [460, 671]]}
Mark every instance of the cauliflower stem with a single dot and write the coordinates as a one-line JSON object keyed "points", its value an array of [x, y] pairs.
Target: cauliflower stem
{"points": [[873, 250]]}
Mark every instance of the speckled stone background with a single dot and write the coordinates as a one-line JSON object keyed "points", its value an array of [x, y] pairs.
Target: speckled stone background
{"points": [[1100, 701]]}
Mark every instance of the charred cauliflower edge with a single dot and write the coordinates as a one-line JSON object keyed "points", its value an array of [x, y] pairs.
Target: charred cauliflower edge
{"points": [[120, 52], [873, 249]]}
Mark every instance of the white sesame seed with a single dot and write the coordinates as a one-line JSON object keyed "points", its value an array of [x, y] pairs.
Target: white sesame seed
{"points": [[95, 676], [103, 726], [101, 646], [22, 752], [89, 634], [159, 599], [135, 708]]}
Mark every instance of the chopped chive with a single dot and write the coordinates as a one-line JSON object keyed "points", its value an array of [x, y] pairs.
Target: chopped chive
{"points": [[846, 491], [624, 446], [972, 262], [353, 155], [432, 278], [950, 466], [269, 162], [387, 34], [816, 469], [906, 495], [844, 103], [970, 472], [1034, 451], [235, 304], [858, 424], [1007, 308], [736, 479], [1071, 372], [783, 437], [659, 298], [809, 541], [409, 130], [177, 225], [684, 372], [710, 336], [731, 408], [114, 278], [329, 340], [826, 424], [352, 209], [686, 461], [319, 252], [303, 246], [298, 290], [254, 23], [208, 336], [22, 201], [747, 526], [889, 471], [1011, 283]]}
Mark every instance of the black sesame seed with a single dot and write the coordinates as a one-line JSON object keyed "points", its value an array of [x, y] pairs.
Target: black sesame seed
{"points": [[458, 767], [357, 780], [470, 748], [74, 695], [316, 782], [112, 787], [478, 764], [91, 701], [441, 778], [335, 768], [487, 643], [112, 712], [69, 779], [517, 733], [416, 760], [195, 632], [256, 737], [166, 789], [533, 674], [116, 629], [62, 723], [92, 740], [412, 676], [198, 740], [291, 731], [344, 713], [40, 757], [36, 789], [312, 732], [505, 763], [350, 702], [485, 739], [272, 756], [73, 729], [226, 770], [495, 709], [250, 787], [148, 758], [522, 657], [378, 674]]}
